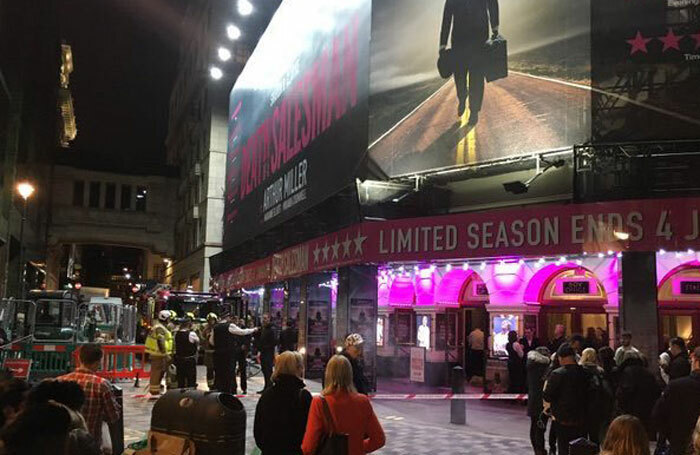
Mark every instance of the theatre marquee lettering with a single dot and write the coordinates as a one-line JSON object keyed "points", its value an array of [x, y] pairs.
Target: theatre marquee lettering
{"points": [[649, 225], [577, 229]]}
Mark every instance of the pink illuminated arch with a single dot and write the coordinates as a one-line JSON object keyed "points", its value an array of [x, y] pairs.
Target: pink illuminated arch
{"points": [[669, 286], [456, 289], [402, 292]]}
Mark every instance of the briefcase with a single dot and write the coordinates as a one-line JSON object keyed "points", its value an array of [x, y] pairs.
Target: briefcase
{"points": [[496, 59]]}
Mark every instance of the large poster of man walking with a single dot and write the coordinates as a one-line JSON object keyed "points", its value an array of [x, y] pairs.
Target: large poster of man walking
{"points": [[425, 118]]}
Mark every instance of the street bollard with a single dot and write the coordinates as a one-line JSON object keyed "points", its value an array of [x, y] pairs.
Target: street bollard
{"points": [[458, 408]]}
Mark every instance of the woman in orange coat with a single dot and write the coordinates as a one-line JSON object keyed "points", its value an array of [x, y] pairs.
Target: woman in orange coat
{"points": [[351, 412]]}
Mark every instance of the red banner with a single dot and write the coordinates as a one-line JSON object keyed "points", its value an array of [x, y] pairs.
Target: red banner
{"points": [[543, 230]]}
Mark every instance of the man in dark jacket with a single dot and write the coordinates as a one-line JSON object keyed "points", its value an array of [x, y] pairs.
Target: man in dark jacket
{"points": [[679, 366], [353, 352], [678, 409], [267, 341], [566, 393], [637, 389], [288, 338], [537, 364], [226, 351], [468, 22]]}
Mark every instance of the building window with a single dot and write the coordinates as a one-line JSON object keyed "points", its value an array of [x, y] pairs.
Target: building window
{"points": [[141, 196], [126, 197], [110, 196], [94, 198], [78, 193]]}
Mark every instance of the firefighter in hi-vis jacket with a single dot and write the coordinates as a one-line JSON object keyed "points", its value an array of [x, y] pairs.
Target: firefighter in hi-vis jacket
{"points": [[159, 346]]}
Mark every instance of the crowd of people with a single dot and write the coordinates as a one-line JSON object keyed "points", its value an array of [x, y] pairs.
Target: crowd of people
{"points": [[62, 416], [611, 398], [289, 421]]}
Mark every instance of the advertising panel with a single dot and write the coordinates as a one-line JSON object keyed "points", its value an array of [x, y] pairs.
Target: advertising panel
{"points": [[645, 70], [420, 121], [318, 337], [363, 320], [423, 323], [297, 115], [417, 365]]}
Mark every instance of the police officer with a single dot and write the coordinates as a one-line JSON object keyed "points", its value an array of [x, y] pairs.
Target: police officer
{"points": [[186, 345], [206, 332], [226, 353], [159, 345]]}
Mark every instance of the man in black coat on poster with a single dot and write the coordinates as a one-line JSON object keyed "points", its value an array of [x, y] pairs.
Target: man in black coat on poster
{"points": [[468, 20], [267, 341]]}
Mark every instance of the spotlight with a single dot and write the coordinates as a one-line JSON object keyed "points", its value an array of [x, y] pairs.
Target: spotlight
{"points": [[465, 266], [216, 73], [662, 251], [224, 54], [483, 266], [233, 32], [448, 267], [245, 8]]}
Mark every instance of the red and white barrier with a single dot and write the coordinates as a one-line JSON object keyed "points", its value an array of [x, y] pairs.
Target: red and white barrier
{"points": [[425, 396]]}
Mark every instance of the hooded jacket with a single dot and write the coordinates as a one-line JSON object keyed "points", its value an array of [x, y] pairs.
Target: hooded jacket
{"points": [[537, 365]]}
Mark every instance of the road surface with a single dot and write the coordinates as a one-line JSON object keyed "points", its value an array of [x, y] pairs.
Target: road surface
{"points": [[520, 114]]}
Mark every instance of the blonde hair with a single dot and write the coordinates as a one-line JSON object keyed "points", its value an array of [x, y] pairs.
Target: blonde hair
{"points": [[289, 362], [588, 356], [696, 438], [338, 376], [626, 436]]}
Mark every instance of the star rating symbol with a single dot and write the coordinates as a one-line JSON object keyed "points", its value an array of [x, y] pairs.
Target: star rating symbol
{"points": [[335, 247], [671, 41], [325, 252], [346, 246], [639, 43], [696, 37], [317, 250], [359, 240]]}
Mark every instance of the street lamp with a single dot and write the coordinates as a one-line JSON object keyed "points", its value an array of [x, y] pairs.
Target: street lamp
{"points": [[25, 190]]}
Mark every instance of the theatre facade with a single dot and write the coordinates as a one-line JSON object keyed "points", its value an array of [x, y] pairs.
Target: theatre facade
{"points": [[358, 201]]}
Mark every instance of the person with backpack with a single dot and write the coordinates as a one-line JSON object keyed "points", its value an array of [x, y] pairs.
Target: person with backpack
{"points": [[281, 413], [347, 412], [565, 394], [537, 363], [600, 397], [637, 390]]}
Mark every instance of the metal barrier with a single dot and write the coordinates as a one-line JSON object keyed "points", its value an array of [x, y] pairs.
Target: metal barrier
{"points": [[48, 360], [122, 362]]}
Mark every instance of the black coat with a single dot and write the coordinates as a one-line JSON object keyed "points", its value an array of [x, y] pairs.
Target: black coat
{"points": [[358, 374], [288, 339], [566, 391], [637, 391], [267, 341], [469, 22], [280, 417], [678, 410], [679, 366], [537, 365]]}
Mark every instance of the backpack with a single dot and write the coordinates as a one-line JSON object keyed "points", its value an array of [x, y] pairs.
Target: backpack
{"points": [[599, 397], [165, 444]]}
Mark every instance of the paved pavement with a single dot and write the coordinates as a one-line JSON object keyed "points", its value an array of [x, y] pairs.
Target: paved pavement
{"points": [[411, 427]]}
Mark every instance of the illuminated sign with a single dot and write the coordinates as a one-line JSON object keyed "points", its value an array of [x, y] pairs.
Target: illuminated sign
{"points": [[576, 287], [690, 287]]}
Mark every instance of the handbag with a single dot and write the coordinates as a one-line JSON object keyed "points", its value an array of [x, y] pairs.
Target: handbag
{"points": [[331, 443]]}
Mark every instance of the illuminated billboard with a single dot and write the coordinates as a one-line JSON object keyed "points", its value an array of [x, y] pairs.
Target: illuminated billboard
{"points": [[420, 121], [297, 115]]}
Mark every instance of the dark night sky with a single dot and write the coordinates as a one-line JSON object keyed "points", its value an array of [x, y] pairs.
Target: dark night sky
{"points": [[125, 55]]}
